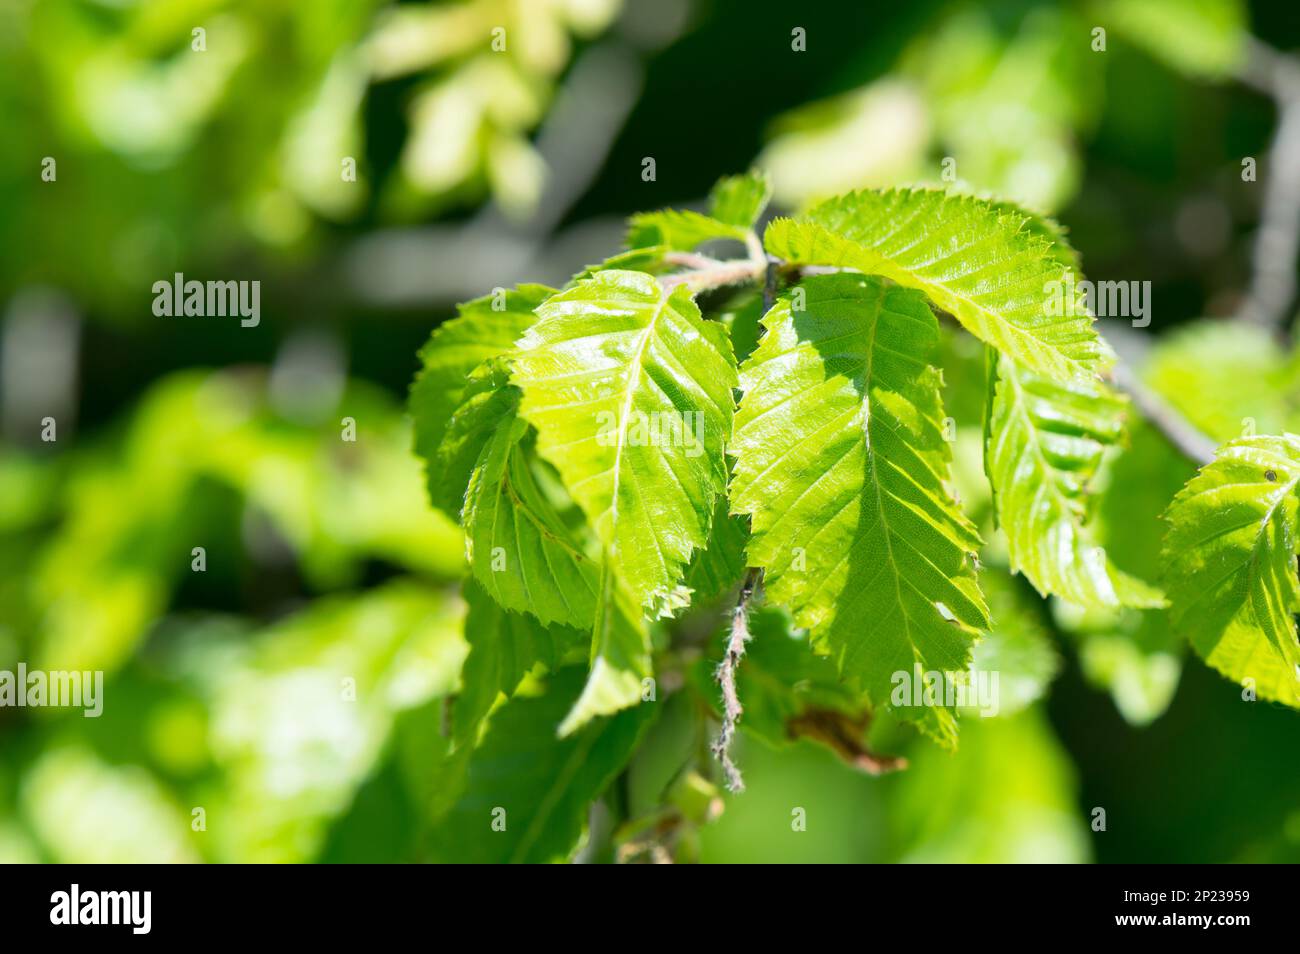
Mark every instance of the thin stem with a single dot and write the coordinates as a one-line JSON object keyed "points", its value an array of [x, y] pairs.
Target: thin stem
{"points": [[691, 260], [726, 676], [705, 273], [715, 275], [1277, 241]]}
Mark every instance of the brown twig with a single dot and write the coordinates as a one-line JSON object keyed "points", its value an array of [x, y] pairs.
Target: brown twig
{"points": [[842, 734], [726, 676]]}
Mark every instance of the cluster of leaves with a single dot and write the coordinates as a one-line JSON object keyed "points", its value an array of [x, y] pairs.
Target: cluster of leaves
{"points": [[823, 458]]}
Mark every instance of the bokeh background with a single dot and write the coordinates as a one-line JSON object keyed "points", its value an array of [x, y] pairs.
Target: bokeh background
{"points": [[478, 169]]}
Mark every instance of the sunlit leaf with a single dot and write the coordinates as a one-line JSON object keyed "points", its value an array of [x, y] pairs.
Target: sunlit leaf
{"points": [[1230, 557], [975, 261], [1045, 442], [842, 464], [630, 392]]}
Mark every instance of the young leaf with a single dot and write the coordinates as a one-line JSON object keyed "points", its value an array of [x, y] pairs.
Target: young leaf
{"points": [[630, 391], [978, 262], [1230, 557], [485, 328], [841, 462], [528, 793], [678, 230], [1044, 443], [504, 647], [519, 549], [651, 259], [740, 200], [1046, 228], [486, 400]]}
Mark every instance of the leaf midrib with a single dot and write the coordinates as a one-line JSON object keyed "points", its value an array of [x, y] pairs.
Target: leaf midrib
{"points": [[634, 375], [895, 571]]}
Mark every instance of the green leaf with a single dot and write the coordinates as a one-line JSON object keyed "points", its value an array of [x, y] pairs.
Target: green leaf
{"points": [[630, 391], [620, 656], [679, 230], [519, 549], [1044, 443], [649, 259], [486, 327], [740, 200], [538, 786], [1046, 228], [842, 465], [504, 647], [978, 262], [485, 403], [1230, 557]]}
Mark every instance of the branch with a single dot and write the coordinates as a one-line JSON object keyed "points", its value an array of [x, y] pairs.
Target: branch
{"points": [[705, 273], [1273, 261], [726, 676], [710, 273]]}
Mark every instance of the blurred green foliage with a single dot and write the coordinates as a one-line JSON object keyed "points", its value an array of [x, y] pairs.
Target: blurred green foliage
{"points": [[298, 691]]}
